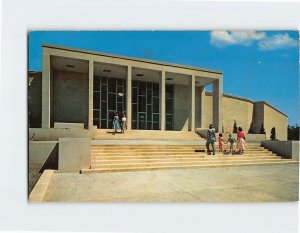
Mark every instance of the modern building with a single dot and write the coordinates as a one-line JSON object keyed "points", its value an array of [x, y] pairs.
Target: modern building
{"points": [[87, 87]]}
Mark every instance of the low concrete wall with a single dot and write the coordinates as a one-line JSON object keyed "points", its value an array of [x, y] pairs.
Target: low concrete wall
{"points": [[74, 154], [40, 189], [39, 152], [287, 149], [51, 134], [62, 125]]}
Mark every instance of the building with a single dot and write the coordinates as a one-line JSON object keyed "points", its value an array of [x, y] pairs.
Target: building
{"points": [[87, 87]]}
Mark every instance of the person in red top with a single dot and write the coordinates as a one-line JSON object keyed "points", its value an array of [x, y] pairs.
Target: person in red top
{"points": [[241, 140], [221, 141]]}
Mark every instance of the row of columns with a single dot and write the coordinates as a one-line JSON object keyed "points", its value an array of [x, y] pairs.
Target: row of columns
{"points": [[217, 94]]}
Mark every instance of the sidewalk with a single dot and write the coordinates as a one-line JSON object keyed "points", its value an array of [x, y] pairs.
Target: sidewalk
{"points": [[271, 183]]}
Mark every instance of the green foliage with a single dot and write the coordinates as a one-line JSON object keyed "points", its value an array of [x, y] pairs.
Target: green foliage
{"points": [[293, 132]]}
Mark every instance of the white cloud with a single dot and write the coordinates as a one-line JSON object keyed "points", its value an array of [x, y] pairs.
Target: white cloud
{"points": [[278, 41], [227, 38]]}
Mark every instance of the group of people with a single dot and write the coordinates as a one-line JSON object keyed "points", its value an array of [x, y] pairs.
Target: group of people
{"points": [[117, 124], [211, 139]]}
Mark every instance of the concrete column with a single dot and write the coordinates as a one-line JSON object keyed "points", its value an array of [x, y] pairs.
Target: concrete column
{"points": [[128, 97], [192, 101], [202, 107], [91, 89], [46, 71], [162, 100], [217, 104]]}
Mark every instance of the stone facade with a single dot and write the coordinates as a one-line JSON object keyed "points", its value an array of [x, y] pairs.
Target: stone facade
{"points": [[67, 93]]}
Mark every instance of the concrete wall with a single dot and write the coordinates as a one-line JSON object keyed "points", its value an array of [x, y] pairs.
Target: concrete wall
{"points": [[287, 149], [70, 97], [39, 152], [239, 110], [273, 118], [74, 154], [43, 134], [35, 100], [232, 109], [181, 107]]}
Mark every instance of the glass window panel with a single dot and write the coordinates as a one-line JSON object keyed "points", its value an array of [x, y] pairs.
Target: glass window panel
{"points": [[112, 85], [134, 112], [155, 125], [149, 125], [149, 113], [149, 96], [134, 125], [119, 107], [169, 91], [169, 122], [155, 117], [169, 106], [103, 92], [142, 104], [134, 95], [96, 83], [96, 100], [120, 94], [155, 105], [103, 80], [155, 89], [142, 88], [104, 110], [110, 124], [96, 114], [103, 124], [112, 101], [149, 86], [142, 121], [134, 83]]}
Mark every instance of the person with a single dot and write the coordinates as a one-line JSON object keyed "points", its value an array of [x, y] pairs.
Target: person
{"points": [[116, 124], [221, 141], [123, 123], [231, 142], [211, 138], [241, 140]]}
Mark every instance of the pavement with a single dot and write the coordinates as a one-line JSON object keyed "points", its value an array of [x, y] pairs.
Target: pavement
{"points": [[255, 183]]}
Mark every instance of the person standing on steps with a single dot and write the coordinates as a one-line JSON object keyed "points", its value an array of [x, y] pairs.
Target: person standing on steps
{"points": [[210, 139], [123, 123], [116, 124], [241, 140]]}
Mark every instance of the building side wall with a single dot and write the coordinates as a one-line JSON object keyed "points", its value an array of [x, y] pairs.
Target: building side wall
{"points": [[273, 118], [70, 97], [181, 107], [207, 111], [35, 101], [239, 110]]}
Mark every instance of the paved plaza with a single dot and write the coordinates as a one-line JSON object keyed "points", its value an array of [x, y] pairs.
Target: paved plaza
{"points": [[257, 183]]}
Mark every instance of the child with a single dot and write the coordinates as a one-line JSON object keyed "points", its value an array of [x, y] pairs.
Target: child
{"points": [[231, 141], [221, 141]]}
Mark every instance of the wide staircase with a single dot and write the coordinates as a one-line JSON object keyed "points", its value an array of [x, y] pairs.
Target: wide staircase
{"points": [[116, 158]]}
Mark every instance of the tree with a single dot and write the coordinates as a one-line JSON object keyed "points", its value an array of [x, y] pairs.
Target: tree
{"points": [[234, 127], [262, 129], [293, 132]]}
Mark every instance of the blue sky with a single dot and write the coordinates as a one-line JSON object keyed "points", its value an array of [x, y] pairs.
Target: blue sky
{"points": [[259, 65]]}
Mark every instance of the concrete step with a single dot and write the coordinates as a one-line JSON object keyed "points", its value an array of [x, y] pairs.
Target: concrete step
{"points": [[99, 162], [165, 149], [172, 162], [167, 153], [181, 166]]}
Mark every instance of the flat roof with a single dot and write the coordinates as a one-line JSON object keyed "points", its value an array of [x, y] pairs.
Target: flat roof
{"points": [[130, 58]]}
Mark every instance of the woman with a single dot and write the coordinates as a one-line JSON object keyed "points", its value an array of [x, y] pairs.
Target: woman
{"points": [[124, 125], [241, 140], [116, 124]]}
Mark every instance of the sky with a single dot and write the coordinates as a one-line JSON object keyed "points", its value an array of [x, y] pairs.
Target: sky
{"points": [[258, 65]]}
